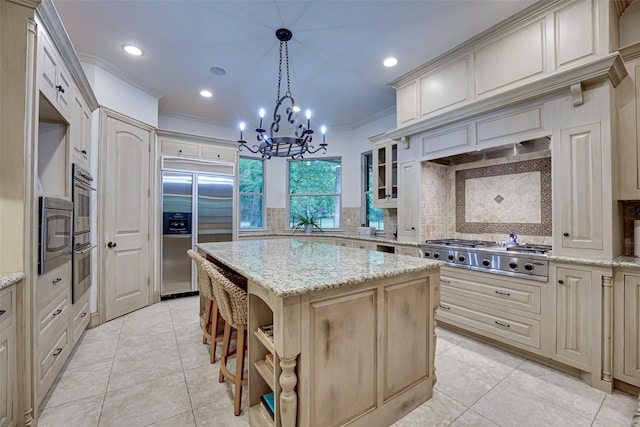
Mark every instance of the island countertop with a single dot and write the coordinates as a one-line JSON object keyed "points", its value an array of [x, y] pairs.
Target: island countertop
{"points": [[287, 267]]}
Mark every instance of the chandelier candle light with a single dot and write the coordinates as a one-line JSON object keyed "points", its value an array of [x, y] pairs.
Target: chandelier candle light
{"points": [[272, 144]]}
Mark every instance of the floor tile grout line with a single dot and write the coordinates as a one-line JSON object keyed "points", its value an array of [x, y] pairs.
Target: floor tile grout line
{"points": [[104, 398]]}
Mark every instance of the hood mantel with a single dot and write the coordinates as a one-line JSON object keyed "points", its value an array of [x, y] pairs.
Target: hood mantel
{"points": [[575, 80]]}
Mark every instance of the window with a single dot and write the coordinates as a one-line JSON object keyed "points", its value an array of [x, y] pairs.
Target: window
{"points": [[314, 190], [372, 217], [251, 191]]}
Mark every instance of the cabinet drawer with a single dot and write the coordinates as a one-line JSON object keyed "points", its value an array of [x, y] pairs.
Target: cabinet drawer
{"points": [[505, 327], [52, 319], [498, 294], [50, 361], [217, 153], [7, 306], [52, 283], [180, 149], [80, 319]]}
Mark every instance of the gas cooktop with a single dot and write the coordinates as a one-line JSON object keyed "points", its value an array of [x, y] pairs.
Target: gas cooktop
{"points": [[523, 260]]}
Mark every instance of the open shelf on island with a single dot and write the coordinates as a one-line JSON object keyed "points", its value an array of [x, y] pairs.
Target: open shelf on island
{"points": [[265, 342], [266, 372], [257, 418]]}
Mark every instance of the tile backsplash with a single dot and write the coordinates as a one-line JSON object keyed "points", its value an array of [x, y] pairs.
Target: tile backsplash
{"points": [[486, 200]]}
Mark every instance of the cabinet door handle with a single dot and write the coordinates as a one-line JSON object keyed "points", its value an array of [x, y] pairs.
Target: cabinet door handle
{"points": [[84, 152], [503, 293], [565, 234], [57, 351], [2, 312], [112, 245], [60, 88], [58, 311], [444, 307], [84, 313], [561, 281], [413, 228], [56, 280], [506, 325]]}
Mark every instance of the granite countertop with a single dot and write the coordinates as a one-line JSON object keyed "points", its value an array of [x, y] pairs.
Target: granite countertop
{"points": [[621, 261], [338, 234], [8, 279], [287, 267]]}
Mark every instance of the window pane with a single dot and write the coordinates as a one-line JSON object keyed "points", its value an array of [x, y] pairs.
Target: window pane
{"points": [[326, 208], [375, 217], [250, 211], [251, 174], [314, 177]]}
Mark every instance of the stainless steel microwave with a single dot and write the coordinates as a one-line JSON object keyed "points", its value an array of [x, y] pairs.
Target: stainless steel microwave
{"points": [[56, 232]]}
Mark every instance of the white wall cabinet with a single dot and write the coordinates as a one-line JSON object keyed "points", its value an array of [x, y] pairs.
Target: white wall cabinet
{"points": [[628, 108], [385, 174], [170, 147], [8, 352], [408, 201], [80, 136], [580, 167], [53, 78]]}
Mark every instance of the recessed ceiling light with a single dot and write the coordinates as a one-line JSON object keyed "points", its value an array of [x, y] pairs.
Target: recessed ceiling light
{"points": [[390, 62], [206, 93], [132, 50], [218, 71]]}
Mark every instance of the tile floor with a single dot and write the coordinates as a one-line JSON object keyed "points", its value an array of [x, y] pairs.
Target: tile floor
{"points": [[149, 368]]}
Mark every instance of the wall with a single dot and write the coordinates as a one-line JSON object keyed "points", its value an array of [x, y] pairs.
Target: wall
{"points": [[629, 28]]}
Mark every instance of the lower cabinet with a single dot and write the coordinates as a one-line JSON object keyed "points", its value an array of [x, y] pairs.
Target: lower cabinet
{"points": [[626, 342], [8, 351], [79, 318]]}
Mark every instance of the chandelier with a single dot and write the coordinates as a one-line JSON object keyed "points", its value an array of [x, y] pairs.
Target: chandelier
{"points": [[272, 144]]}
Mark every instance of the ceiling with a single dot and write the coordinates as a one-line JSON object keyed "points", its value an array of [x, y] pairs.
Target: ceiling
{"points": [[335, 55]]}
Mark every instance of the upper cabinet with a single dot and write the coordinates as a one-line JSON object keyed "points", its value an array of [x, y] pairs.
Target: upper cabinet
{"points": [[628, 125], [81, 131], [408, 201], [538, 43], [385, 174], [173, 144], [53, 78]]}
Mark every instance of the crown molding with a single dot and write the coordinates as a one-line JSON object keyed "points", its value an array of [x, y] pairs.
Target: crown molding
{"points": [[112, 69], [48, 14], [31, 4]]}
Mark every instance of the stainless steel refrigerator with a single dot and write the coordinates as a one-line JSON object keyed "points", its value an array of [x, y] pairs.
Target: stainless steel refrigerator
{"points": [[197, 207]]}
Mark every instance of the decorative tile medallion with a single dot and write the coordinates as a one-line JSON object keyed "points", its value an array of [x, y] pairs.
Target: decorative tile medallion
{"points": [[522, 205]]}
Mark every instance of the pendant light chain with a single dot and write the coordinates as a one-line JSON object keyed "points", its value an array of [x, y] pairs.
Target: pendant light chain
{"points": [[280, 71], [286, 49]]}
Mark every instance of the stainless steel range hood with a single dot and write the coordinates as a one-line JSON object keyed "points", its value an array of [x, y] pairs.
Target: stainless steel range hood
{"points": [[504, 151]]}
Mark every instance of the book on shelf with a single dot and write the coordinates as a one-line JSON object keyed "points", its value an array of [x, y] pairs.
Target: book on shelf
{"points": [[266, 331], [269, 359], [266, 402]]}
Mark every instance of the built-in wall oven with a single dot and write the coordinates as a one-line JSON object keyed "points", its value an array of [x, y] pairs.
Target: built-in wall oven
{"points": [[82, 247], [55, 232]]}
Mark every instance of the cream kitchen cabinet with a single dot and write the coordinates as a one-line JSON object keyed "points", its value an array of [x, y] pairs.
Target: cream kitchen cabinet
{"points": [[79, 318], [408, 198], [189, 149], [385, 174], [626, 341], [628, 108], [80, 136], [53, 78], [579, 164], [8, 351]]}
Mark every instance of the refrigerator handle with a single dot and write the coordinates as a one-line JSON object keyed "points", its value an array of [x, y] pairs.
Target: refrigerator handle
{"points": [[177, 236]]}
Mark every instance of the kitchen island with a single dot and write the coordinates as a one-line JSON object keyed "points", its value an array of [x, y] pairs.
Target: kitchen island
{"points": [[353, 330]]}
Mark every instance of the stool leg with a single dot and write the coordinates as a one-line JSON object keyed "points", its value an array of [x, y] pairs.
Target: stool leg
{"points": [[225, 350], [215, 320], [239, 369], [207, 322]]}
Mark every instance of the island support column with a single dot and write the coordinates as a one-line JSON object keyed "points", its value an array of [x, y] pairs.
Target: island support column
{"points": [[287, 339]]}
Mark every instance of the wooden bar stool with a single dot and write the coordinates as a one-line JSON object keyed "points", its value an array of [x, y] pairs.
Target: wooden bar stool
{"points": [[232, 303], [212, 318]]}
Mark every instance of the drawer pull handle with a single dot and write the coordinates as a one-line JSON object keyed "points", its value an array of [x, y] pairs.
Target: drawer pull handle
{"points": [[2, 312], [445, 281], [58, 311], [60, 88], [444, 307], [57, 351], [54, 281], [506, 325], [83, 314], [503, 293]]}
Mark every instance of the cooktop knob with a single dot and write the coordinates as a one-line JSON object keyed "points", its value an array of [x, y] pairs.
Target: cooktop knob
{"points": [[461, 258], [427, 254], [486, 263], [436, 255], [513, 265], [528, 267], [451, 257]]}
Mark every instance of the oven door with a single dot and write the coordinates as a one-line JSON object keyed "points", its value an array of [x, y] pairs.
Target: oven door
{"points": [[81, 206], [55, 233], [81, 278]]}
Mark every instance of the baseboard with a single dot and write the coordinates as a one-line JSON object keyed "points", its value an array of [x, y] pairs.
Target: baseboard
{"points": [[95, 321]]}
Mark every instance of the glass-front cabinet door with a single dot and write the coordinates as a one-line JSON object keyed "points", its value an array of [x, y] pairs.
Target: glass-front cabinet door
{"points": [[385, 169]]}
